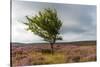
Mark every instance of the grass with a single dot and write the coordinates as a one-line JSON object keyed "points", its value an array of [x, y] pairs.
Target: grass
{"points": [[33, 55], [46, 58]]}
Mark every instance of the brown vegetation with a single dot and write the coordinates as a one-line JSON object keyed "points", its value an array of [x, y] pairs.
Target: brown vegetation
{"points": [[38, 54]]}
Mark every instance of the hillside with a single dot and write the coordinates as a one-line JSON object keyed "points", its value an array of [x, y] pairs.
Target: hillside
{"points": [[64, 43], [40, 53]]}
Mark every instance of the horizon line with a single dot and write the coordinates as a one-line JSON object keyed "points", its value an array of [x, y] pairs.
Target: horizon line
{"points": [[56, 42]]}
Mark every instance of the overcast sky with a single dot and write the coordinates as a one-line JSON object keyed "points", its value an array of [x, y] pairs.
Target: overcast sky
{"points": [[79, 21]]}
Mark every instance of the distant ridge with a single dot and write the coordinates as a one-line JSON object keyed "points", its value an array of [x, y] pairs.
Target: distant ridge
{"points": [[75, 42]]}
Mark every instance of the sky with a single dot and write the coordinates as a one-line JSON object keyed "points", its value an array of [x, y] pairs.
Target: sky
{"points": [[79, 21]]}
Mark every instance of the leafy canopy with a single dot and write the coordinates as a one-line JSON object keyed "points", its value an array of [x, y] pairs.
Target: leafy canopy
{"points": [[46, 25]]}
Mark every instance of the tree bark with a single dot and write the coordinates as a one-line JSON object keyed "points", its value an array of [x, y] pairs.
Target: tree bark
{"points": [[52, 46], [52, 51]]}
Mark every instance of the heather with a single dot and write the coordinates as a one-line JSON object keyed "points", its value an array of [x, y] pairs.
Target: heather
{"points": [[39, 54]]}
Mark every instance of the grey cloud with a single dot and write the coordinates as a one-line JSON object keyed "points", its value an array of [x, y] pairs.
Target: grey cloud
{"points": [[81, 15], [79, 21]]}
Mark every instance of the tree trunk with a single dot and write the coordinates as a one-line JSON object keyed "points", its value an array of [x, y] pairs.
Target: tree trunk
{"points": [[52, 51], [52, 46]]}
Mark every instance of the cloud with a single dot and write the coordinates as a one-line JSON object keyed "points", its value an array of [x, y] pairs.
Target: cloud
{"points": [[79, 21], [19, 34]]}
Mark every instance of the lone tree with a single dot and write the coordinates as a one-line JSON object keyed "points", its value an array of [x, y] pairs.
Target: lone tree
{"points": [[46, 25]]}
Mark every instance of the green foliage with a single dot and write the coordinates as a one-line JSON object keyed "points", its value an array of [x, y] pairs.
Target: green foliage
{"points": [[46, 25]]}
